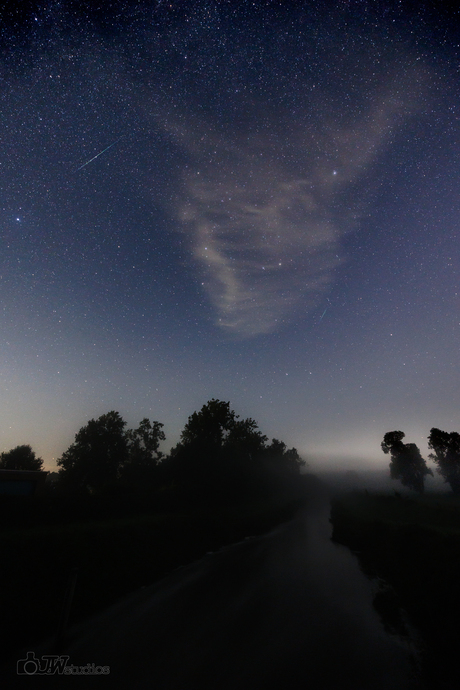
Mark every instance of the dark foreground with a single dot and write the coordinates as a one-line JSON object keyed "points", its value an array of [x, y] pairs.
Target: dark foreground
{"points": [[412, 543], [289, 610]]}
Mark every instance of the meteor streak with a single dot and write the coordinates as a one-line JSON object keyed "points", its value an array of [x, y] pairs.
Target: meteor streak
{"points": [[99, 154]]}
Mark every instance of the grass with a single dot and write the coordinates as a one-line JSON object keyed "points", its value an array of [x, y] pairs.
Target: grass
{"points": [[413, 544], [113, 557]]}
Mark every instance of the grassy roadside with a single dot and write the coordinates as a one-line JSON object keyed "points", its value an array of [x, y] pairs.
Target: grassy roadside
{"points": [[113, 557], [413, 544]]}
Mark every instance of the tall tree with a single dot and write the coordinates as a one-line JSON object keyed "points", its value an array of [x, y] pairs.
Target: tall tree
{"points": [[217, 449], [406, 463], [97, 455], [211, 425], [20, 458], [144, 443], [245, 439], [144, 456], [446, 454], [283, 459], [197, 462]]}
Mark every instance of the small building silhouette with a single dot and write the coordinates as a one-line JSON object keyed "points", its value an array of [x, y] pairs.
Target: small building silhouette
{"points": [[22, 482]]}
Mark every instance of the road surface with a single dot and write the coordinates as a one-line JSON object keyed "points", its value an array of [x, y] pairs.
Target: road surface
{"points": [[288, 610]]}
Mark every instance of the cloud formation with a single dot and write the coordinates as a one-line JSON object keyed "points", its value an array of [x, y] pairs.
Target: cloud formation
{"points": [[266, 204]]}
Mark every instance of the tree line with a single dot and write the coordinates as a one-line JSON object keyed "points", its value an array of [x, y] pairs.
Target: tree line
{"points": [[410, 468], [219, 455]]}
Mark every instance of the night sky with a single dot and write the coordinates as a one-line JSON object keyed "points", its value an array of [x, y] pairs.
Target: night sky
{"points": [[252, 201]]}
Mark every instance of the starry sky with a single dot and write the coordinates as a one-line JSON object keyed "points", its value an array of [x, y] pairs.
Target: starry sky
{"points": [[252, 201]]}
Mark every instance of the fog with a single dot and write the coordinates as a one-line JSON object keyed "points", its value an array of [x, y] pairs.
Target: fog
{"points": [[346, 475]]}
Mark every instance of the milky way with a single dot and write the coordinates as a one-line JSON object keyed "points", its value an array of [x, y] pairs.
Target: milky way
{"points": [[266, 210]]}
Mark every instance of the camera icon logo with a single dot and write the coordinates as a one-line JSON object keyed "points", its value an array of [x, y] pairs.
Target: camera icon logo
{"points": [[28, 666], [49, 664]]}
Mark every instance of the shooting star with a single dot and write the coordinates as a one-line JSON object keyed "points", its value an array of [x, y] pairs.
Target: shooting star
{"points": [[99, 154], [322, 315]]}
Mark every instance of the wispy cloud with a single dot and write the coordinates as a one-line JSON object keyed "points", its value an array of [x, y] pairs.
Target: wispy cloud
{"points": [[266, 209]]}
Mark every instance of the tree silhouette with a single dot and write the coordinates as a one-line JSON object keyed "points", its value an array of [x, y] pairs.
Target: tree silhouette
{"points": [[140, 471], [221, 453], [244, 439], [20, 458], [286, 460], [104, 452], [406, 463], [210, 426], [197, 463], [98, 454], [144, 443], [446, 454]]}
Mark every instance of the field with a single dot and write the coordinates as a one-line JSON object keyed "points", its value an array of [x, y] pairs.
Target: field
{"points": [[413, 546], [113, 557]]}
